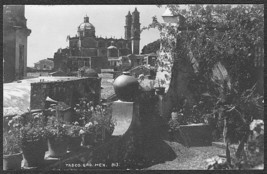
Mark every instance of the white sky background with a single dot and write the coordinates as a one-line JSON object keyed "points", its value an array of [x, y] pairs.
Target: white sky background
{"points": [[51, 24]]}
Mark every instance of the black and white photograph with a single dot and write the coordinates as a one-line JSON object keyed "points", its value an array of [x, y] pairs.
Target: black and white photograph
{"points": [[117, 87]]}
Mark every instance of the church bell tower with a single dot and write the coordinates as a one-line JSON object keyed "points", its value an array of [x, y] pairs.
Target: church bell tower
{"points": [[135, 32]]}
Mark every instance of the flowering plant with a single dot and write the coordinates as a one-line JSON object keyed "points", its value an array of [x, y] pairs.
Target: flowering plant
{"points": [[84, 110], [23, 129], [94, 120], [87, 129], [253, 154], [56, 128], [73, 130], [254, 149], [10, 143], [101, 117]]}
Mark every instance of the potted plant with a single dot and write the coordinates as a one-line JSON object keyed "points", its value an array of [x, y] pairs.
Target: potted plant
{"points": [[88, 135], [74, 136], [12, 154], [63, 111], [103, 124], [31, 132], [160, 89], [57, 136], [84, 111], [100, 126], [147, 86]]}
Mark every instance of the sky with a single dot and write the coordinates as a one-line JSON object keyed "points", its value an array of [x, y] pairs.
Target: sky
{"points": [[51, 24]]}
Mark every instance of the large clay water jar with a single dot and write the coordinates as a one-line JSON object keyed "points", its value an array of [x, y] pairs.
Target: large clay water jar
{"points": [[126, 87]]}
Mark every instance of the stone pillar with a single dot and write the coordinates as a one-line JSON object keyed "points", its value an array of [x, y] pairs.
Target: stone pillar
{"points": [[125, 114]]}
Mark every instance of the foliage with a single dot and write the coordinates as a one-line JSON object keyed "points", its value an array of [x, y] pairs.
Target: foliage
{"points": [[84, 109], [214, 33], [152, 47], [238, 116], [102, 121], [253, 155], [254, 151], [94, 119], [56, 128], [161, 82], [205, 36], [10, 143], [27, 128], [87, 129], [239, 111], [73, 130], [174, 125], [146, 85]]}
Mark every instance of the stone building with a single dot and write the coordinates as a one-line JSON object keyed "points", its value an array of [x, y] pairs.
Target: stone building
{"points": [[15, 34], [44, 64], [87, 49]]}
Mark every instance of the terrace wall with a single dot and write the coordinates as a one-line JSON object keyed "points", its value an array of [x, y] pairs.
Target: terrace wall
{"points": [[66, 91]]}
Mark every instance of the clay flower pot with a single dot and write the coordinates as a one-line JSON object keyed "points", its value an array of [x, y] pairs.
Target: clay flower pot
{"points": [[74, 143], [57, 147], [12, 162], [33, 153], [88, 140]]}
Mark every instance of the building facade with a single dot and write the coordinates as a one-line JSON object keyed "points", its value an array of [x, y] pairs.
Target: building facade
{"points": [[15, 34], [87, 49]]}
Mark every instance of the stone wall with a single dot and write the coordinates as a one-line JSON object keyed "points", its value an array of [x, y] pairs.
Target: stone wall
{"points": [[15, 33], [68, 91]]}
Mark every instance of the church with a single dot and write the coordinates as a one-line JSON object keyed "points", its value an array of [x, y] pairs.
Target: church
{"points": [[86, 49]]}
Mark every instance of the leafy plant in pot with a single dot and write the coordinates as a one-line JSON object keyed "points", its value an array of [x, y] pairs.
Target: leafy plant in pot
{"points": [[74, 136], [12, 154], [147, 86], [100, 126], [57, 137], [31, 136], [87, 134], [103, 123], [84, 111]]}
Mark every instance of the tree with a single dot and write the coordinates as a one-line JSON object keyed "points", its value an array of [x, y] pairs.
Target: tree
{"points": [[152, 47], [212, 34]]}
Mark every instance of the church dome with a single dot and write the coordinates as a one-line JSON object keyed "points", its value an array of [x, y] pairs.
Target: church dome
{"points": [[86, 28]]}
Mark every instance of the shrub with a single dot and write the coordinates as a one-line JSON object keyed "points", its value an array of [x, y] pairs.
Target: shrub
{"points": [[56, 128], [95, 120], [28, 127], [10, 143]]}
